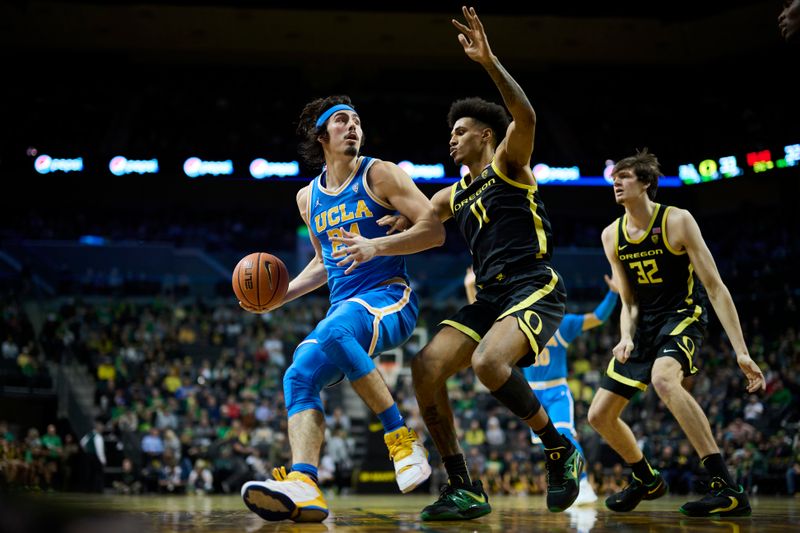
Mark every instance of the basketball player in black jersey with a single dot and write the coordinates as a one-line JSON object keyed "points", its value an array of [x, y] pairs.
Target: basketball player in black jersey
{"points": [[520, 299], [657, 255]]}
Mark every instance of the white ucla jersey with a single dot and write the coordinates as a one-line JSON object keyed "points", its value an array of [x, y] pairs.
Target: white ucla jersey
{"points": [[355, 208]]}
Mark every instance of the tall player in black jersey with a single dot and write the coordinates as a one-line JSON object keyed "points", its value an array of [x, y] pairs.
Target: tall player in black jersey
{"points": [[657, 255], [520, 299]]}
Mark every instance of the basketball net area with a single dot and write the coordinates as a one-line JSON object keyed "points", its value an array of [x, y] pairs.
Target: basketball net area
{"points": [[392, 364]]}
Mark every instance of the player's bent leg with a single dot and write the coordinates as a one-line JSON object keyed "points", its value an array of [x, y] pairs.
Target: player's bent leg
{"points": [[449, 351], [374, 322], [493, 362], [345, 336], [725, 497], [296, 496], [605, 416], [293, 496]]}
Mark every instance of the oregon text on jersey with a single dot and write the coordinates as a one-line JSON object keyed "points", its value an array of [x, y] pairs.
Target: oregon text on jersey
{"points": [[661, 277], [504, 223]]}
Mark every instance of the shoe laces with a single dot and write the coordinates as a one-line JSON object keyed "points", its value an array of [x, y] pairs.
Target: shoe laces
{"points": [[555, 468], [279, 474], [713, 487], [401, 444], [446, 490], [633, 484]]}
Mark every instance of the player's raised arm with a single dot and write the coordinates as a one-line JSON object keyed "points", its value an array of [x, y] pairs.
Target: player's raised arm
{"points": [[515, 151]]}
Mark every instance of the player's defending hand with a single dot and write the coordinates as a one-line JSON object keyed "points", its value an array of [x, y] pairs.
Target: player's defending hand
{"points": [[356, 250], [395, 222], [622, 351], [612, 285], [473, 37], [755, 378]]}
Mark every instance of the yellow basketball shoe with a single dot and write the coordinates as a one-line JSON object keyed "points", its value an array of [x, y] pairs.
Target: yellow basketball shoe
{"points": [[410, 458], [292, 496]]}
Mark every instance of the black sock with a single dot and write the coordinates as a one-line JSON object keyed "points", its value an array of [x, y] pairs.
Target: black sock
{"points": [[551, 438], [643, 471], [517, 395], [457, 472], [716, 467]]}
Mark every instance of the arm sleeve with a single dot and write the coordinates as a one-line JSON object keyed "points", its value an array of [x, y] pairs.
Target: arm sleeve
{"points": [[603, 311], [571, 326]]}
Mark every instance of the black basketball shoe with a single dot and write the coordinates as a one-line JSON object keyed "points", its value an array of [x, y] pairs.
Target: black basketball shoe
{"points": [[628, 498]]}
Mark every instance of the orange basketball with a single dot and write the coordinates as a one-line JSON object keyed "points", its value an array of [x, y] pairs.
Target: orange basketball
{"points": [[260, 280]]}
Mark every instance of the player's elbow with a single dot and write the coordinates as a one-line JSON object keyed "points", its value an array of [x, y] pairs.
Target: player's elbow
{"points": [[436, 234], [525, 116], [440, 234], [715, 288]]}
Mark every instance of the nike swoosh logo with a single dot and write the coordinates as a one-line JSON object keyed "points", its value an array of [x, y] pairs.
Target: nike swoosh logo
{"points": [[734, 504], [622, 247], [655, 489], [479, 499], [667, 351]]}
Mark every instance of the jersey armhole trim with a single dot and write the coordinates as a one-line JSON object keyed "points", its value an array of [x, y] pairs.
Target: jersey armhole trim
{"points": [[664, 223], [370, 193]]}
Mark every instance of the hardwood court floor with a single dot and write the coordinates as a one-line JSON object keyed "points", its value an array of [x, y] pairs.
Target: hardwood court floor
{"points": [[357, 513]]}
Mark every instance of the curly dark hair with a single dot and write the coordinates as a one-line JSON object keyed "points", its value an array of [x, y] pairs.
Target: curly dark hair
{"points": [[489, 114], [646, 167], [310, 149]]}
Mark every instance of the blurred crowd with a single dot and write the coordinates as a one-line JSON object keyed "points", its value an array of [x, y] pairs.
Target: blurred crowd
{"points": [[189, 398]]}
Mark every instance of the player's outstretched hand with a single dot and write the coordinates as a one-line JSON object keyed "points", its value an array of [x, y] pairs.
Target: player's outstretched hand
{"points": [[473, 37], [755, 378], [355, 250], [395, 222]]}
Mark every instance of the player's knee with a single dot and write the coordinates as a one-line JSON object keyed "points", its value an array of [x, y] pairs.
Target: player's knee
{"points": [[300, 391], [484, 365], [333, 334], [598, 417], [666, 386]]}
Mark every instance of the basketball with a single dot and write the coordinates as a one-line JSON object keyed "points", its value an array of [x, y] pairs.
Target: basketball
{"points": [[260, 280]]}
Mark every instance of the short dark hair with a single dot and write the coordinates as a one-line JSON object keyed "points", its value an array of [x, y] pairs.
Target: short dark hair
{"points": [[646, 167], [310, 149], [490, 114]]}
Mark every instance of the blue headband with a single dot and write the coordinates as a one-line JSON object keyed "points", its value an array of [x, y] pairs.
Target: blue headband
{"points": [[327, 114]]}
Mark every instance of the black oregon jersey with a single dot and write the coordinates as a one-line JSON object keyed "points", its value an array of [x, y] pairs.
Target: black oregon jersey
{"points": [[504, 224], [667, 290]]}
